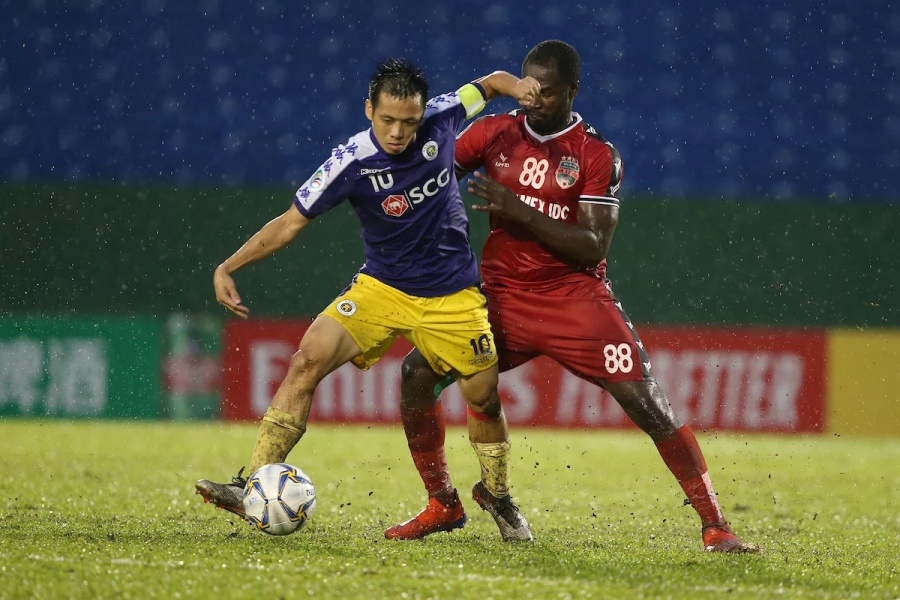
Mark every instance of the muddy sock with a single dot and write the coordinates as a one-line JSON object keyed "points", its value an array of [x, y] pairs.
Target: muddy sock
{"points": [[494, 459], [278, 433]]}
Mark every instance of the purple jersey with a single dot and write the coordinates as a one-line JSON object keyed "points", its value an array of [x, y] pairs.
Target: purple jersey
{"points": [[414, 225]]}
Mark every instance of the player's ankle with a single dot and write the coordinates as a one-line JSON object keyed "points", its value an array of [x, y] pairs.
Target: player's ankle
{"points": [[448, 497], [720, 524]]}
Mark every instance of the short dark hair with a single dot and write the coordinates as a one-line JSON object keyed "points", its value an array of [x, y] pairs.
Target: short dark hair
{"points": [[399, 78], [554, 54]]}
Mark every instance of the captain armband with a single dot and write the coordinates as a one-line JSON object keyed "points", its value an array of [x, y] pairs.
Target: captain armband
{"points": [[473, 98]]}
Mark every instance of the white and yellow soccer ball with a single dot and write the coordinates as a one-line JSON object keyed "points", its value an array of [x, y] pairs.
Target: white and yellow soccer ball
{"points": [[279, 499]]}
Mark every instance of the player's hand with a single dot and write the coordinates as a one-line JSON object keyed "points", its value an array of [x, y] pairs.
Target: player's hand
{"points": [[526, 90], [500, 199], [226, 293]]}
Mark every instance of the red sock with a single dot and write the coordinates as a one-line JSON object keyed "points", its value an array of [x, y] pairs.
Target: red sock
{"points": [[425, 432], [682, 455]]}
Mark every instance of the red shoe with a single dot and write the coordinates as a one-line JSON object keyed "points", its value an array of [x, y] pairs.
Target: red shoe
{"points": [[435, 517], [720, 538]]}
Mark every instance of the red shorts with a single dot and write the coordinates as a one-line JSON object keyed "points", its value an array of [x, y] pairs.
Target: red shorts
{"points": [[581, 326]]}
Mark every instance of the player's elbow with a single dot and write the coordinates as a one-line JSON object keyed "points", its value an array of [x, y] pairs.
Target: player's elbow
{"points": [[290, 224], [594, 251], [291, 230], [591, 260]]}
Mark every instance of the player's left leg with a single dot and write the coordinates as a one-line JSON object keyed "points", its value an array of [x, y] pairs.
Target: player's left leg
{"points": [[489, 436], [609, 352], [645, 403]]}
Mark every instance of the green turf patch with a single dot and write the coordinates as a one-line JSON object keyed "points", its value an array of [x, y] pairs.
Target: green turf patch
{"points": [[107, 510]]}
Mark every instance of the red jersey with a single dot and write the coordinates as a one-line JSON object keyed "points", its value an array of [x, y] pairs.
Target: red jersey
{"points": [[552, 173]]}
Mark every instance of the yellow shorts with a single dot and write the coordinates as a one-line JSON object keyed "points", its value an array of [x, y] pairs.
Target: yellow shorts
{"points": [[452, 332]]}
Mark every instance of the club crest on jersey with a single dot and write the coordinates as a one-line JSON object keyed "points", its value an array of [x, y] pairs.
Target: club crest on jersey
{"points": [[395, 205], [346, 307], [567, 172], [430, 150]]}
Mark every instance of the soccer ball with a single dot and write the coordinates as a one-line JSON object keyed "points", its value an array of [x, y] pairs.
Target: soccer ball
{"points": [[279, 499]]}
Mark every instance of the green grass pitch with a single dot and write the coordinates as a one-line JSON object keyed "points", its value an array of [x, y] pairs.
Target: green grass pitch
{"points": [[107, 510]]}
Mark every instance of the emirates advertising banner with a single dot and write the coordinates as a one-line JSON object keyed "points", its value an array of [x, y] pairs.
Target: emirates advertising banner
{"points": [[715, 378]]}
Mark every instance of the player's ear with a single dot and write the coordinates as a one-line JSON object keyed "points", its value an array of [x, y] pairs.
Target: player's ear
{"points": [[370, 110], [573, 91]]}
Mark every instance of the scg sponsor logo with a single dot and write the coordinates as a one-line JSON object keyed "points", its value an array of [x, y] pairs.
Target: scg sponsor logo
{"points": [[394, 205], [397, 204]]}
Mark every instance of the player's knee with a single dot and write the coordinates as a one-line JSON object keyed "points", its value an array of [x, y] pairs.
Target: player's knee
{"points": [[417, 383], [305, 370], [411, 372], [646, 404], [487, 404], [481, 394]]}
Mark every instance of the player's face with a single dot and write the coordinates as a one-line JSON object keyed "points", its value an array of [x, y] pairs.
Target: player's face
{"points": [[395, 120], [551, 110]]}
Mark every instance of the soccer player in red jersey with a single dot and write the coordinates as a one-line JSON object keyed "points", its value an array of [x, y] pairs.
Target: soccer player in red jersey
{"points": [[551, 184]]}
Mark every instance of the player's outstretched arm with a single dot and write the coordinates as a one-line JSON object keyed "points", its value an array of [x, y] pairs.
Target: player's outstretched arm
{"points": [[501, 83], [275, 235]]}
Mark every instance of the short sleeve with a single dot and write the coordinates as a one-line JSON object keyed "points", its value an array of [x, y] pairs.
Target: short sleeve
{"points": [[456, 107], [324, 190], [470, 146], [604, 177]]}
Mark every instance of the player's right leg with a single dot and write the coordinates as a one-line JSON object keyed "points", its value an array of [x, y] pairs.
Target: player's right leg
{"points": [[423, 423], [325, 346]]}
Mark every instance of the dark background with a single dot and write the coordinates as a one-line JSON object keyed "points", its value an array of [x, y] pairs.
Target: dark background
{"points": [[143, 142]]}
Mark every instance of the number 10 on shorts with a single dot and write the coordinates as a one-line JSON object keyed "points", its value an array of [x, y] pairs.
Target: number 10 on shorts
{"points": [[482, 345]]}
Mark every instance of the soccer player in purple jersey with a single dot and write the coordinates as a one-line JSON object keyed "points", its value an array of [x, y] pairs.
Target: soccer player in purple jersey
{"points": [[419, 280]]}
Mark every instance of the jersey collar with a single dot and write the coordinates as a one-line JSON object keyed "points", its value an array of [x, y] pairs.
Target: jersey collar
{"points": [[544, 138]]}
